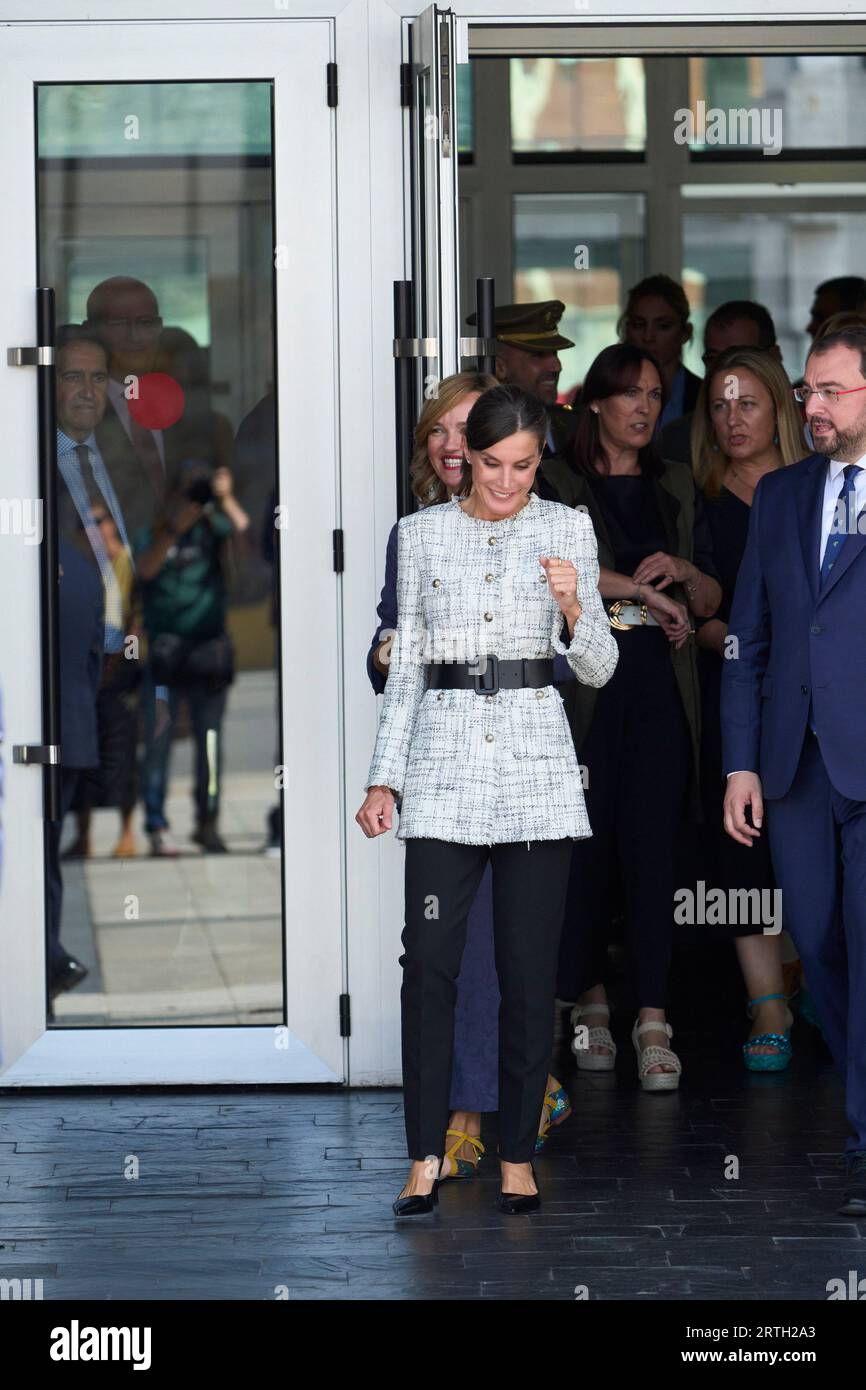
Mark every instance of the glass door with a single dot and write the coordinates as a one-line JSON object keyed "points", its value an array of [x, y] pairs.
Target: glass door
{"points": [[434, 191], [171, 900]]}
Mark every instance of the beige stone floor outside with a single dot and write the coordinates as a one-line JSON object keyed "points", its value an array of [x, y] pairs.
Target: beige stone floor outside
{"points": [[191, 940]]}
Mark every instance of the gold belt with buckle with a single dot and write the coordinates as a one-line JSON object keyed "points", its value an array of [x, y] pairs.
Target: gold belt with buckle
{"points": [[624, 614]]}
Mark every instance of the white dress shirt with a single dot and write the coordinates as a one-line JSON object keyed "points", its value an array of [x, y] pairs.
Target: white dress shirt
{"points": [[833, 481]]}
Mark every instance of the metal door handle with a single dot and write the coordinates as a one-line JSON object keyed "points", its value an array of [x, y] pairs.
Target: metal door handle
{"points": [[46, 754], [31, 753]]}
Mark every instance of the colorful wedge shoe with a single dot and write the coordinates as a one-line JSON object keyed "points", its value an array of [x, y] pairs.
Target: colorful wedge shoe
{"points": [[463, 1167], [768, 1061], [558, 1107]]}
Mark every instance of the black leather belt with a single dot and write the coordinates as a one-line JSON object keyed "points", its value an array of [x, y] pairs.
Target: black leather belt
{"points": [[489, 675]]}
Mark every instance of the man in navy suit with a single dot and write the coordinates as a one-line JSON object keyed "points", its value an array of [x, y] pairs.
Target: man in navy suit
{"points": [[81, 626], [794, 707]]}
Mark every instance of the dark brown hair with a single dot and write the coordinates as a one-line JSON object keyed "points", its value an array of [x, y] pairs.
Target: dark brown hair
{"points": [[498, 414], [853, 338], [659, 287], [614, 370]]}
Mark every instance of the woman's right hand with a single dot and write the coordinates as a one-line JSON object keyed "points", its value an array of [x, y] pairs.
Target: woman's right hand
{"points": [[672, 617], [382, 654], [375, 815]]}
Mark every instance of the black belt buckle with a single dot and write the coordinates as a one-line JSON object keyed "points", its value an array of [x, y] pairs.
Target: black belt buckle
{"points": [[485, 688]]}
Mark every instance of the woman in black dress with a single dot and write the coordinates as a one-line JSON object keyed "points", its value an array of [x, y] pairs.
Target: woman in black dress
{"points": [[638, 737], [745, 425]]}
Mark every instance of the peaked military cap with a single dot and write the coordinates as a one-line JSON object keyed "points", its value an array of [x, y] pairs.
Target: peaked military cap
{"points": [[532, 327]]}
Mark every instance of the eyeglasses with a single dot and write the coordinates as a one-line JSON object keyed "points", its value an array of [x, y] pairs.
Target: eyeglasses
{"points": [[803, 394]]}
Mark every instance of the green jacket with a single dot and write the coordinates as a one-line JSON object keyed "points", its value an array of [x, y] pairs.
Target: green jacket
{"points": [[675, 494]]}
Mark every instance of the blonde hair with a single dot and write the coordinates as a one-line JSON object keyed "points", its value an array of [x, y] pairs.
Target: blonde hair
{"points": [[427, 486], [709, 463]]}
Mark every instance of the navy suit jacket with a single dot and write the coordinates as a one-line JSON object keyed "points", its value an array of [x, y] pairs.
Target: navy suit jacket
{"points": [[81, 603], [796, 647]]}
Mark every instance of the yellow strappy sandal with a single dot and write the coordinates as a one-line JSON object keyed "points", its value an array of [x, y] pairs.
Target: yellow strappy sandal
{"points": [[465, 1167]]}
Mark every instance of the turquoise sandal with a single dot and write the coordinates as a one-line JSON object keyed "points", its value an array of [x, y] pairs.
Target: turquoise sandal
{"points": [[558, 1107], [768, 1061]]}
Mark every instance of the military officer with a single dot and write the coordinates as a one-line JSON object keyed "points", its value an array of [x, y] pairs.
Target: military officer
{"points": [[528, 342]]}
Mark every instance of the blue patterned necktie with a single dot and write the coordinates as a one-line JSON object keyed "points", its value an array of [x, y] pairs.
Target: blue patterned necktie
{"points": [[839, 527]]}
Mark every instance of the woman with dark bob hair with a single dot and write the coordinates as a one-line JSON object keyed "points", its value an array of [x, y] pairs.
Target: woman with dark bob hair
{"points": [[438, 471], [474, 741], [638, 739]]}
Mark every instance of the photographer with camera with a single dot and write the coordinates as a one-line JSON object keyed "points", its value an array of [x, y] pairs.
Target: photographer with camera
{"points": [[180, 563]]}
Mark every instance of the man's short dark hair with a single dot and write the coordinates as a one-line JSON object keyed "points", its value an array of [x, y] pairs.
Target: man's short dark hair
{"points": [[735, 309], [854, 338], [70, 333], [850, 290]]}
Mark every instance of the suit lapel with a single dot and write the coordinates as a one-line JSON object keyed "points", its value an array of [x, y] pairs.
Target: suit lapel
{"points": [[810, 506]]}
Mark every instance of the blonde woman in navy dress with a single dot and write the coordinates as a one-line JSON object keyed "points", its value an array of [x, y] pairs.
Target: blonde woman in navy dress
{"points": [[474, 742]]}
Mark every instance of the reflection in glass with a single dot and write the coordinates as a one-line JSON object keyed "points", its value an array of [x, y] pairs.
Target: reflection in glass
{"points": [[465, 80], [577, 104], [156, 232], [776, 257], [584, 249], [821, 97]]}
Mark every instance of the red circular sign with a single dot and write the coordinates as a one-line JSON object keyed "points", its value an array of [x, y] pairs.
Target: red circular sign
{"points": [[159, 403]]}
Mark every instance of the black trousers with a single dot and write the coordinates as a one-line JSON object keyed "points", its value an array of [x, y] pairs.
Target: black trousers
{"points": [[70, 783], [637, 759], [530, 880]]}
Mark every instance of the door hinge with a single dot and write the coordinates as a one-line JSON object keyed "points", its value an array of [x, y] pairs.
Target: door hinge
{"points": [[331, 83], [338, 551], [405, 84], [345, 1016]]}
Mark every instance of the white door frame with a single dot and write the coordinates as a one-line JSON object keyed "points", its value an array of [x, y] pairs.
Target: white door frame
{"points": [[294, 55], [372, 219]]}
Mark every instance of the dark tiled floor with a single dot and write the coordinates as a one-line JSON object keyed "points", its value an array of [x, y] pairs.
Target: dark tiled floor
{"points": [[239, 1194]]}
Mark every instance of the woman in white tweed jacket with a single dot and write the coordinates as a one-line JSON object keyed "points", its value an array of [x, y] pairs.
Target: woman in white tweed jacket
{"points": [[474, 742]]}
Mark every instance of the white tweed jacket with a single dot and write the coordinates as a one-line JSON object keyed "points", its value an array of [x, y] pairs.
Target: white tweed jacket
{"points": [[479, 769]]}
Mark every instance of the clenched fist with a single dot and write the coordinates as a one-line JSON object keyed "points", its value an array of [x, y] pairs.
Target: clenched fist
{"points": [[562, 583]]}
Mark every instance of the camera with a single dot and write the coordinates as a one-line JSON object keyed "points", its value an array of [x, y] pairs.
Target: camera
{"points": [[200, 490]]}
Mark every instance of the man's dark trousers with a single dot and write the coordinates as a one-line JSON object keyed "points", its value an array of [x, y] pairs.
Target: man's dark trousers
{"points": [[818, 844]]}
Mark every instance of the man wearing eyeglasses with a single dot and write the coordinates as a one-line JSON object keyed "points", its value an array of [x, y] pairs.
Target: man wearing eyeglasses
{"points": [[793, 701]]}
